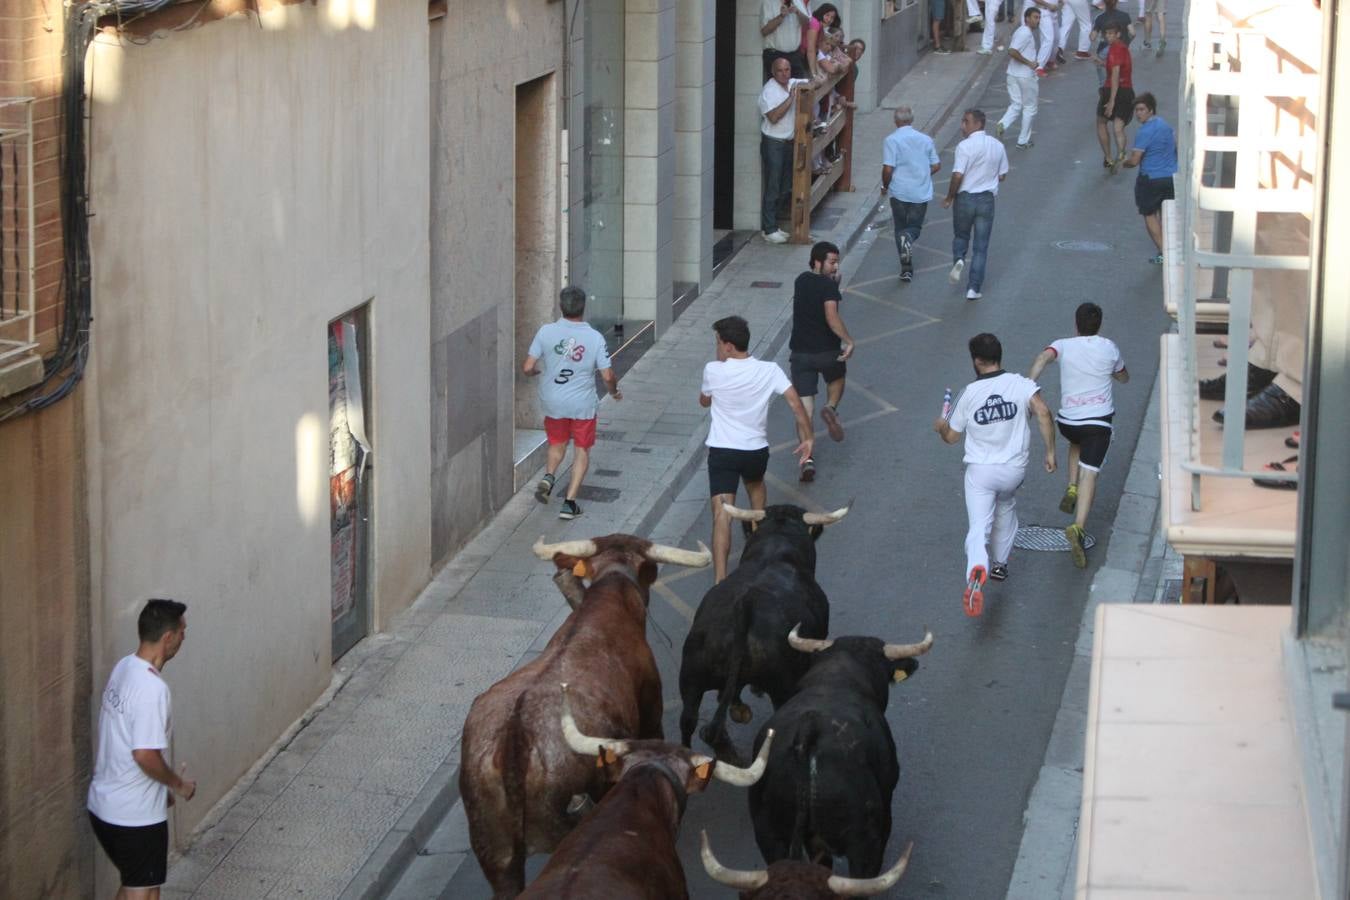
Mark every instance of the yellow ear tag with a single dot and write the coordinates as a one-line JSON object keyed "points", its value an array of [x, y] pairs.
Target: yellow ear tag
{"points": [[580, 569], [609, 755], [900, 675], [703, 771], [600, 761]]}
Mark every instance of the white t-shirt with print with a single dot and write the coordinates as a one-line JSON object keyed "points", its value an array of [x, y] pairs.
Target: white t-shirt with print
{"points": [[741, 390], [1086, 364], [569, 354], [1023, 40], [992, 412], [135, 716]]}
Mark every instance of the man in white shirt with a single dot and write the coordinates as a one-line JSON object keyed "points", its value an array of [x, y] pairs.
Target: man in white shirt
{"points": [[129, 795], [1089, 363], [980, 167], [1023, 90], [777, 101], [781, 23], [993, 413], [737, 389]]}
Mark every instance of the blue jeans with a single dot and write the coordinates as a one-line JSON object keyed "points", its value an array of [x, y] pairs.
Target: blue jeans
{"points": [[907, 218], [776, 158], [973, 212]]}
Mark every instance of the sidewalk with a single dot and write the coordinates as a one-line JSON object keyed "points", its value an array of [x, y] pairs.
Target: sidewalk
{"points": [[344, 800]]}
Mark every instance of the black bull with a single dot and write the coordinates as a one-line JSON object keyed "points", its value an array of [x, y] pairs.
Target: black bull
{"points": [[738, 636], [833, 767]]}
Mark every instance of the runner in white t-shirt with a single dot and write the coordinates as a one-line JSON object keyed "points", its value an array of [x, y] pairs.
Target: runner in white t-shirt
{"points": [[129, 793], [1089, 365], [737, 388], [992, 413]]}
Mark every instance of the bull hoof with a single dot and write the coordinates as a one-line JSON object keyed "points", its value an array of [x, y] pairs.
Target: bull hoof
{"points": [[740, 713]]}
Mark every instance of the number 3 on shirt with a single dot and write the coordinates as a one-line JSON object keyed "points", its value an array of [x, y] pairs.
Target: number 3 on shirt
{"points": [[563, 376]]}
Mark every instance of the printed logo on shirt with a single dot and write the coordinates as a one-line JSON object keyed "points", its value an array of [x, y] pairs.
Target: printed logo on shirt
{"points": [[569, 348], [995, 409], [114, 700]]}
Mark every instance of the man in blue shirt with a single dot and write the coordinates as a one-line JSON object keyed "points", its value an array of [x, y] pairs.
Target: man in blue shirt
{"points": [[908, 163], [1155, 153]]}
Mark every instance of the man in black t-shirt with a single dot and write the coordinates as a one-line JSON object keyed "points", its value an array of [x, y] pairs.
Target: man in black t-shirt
{"points": [[820, 343]]}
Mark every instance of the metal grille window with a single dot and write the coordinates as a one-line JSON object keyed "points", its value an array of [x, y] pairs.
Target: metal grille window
{"points": [[18, 322]]}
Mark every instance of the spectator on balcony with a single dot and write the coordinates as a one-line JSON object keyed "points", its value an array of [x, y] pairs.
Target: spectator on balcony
{"points": [[856, 48], [776, 103], [1155, 154], [825, 16], [781, 26]]}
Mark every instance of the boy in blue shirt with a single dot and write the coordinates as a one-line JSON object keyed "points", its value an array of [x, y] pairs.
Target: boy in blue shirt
{"points": [[1155, 154]]}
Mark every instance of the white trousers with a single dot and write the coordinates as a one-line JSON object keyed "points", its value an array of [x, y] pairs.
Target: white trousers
{"points": [[1075, 11], [973, 7], [991, 510], [1046, 42], [1023, 94]]}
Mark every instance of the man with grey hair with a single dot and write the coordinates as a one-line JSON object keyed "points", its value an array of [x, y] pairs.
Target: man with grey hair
{"points": [[908, 163], [569, 353]]}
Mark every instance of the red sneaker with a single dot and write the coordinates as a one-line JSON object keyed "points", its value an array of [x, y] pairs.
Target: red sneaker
{"points": [[972, 601]]}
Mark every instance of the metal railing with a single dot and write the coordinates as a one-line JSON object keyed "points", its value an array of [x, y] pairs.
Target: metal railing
{"points": [[1213, 68], [18, 249]]}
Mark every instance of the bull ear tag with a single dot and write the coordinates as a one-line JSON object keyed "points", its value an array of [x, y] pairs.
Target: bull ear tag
{"points": [[899, 675], [607, 756], [703, 771], [581, 570]]}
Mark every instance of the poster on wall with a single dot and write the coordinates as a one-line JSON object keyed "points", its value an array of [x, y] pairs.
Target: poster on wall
{"points": [[348, 447]]}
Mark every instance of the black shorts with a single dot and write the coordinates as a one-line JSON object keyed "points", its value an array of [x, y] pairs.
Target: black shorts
{"points": [[1124, 107], [1149, 193], [1092, 441], [140, 853], [728, 468], [806, 366]]}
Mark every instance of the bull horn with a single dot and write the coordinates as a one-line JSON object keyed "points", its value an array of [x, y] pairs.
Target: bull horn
{"points": [[580, 743], [695, 559], [905, 651], [866, 887], [741, 879], [743, 515], [828, 518], [806, 645], [745, 777], [579, 549]]}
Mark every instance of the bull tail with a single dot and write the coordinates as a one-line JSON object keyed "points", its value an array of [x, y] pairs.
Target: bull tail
{"points": [[716, 733], [804, 764], [517, 759]]}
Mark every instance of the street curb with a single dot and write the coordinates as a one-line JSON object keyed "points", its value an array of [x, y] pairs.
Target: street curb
{"points": [[390, 858]]}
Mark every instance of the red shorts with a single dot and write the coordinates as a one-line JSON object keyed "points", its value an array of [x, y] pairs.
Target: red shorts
{"points": [[579, 431]]}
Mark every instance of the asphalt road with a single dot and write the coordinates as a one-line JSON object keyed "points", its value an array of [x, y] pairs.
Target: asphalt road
{"points": [[973, 723]]}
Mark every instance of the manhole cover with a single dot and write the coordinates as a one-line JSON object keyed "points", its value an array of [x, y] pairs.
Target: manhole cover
{"points": [[766, 284], [1044, 537], [1083, 246]]}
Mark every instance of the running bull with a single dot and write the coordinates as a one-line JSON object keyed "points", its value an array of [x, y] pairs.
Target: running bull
{"points": [[625, 847], [833, 766], [517, 773], [737, 635], [796, 880]]}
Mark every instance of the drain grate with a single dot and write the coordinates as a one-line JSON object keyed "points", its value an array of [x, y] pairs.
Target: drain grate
{"points": [[598, 494], [766, 284], [608, 473], [609, 435], [1044, 537]]}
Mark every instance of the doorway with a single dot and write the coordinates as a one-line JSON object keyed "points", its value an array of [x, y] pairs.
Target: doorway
{"points": [[349, 476], [724, 115]]}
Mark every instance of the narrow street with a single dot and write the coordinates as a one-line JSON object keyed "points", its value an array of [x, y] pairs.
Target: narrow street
{"points": [[973, 723]]}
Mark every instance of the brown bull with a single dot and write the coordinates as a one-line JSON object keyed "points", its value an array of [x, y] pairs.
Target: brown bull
{"points": [[625, 848], [517, 773], [797, 880]]}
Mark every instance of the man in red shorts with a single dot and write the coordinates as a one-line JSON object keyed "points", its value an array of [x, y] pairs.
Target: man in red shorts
{"points": [[568, 353]]}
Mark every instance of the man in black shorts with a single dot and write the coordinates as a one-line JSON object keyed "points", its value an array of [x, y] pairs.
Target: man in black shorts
{"points": [[129, 795], [737, 389], [1088, 364], [820, 343]]}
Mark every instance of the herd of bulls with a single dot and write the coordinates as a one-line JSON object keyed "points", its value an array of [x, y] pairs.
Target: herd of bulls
{"points": [[566, 755]]}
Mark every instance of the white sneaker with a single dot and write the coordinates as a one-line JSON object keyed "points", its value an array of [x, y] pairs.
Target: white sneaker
{"points": [[955, 274], [973, 294], [778, 237], [984, 52]]}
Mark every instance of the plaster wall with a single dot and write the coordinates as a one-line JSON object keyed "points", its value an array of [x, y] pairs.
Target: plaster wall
{"points": [[252, 180], [481, 52]]}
